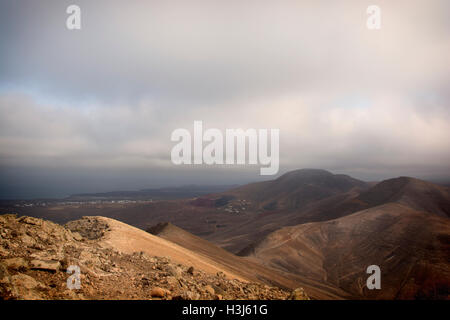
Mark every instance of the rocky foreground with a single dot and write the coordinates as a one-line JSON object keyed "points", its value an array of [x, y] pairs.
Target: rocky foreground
{"points": [[35, 255]]}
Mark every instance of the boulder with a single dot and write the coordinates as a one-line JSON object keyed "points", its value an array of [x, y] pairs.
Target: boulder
{"points": [[31, 221], [25, 281], [77, 236], [25, 287], [16, 263], [46, 265], [4, 274], [28, 241]]}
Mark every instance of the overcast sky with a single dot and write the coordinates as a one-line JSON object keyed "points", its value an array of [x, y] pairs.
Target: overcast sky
{"points": [[93, 109]]}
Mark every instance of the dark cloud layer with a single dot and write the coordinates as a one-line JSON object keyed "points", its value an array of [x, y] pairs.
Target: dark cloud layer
{"points": [[370, 103]]}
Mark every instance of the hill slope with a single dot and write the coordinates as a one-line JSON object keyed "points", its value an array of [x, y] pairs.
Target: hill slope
{"points": [[244, 267], [35, 254], [411, 247], [415, 193]]}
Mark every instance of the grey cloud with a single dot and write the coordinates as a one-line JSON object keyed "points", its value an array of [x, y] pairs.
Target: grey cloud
{"points": [[374, 104], [206, 50]]}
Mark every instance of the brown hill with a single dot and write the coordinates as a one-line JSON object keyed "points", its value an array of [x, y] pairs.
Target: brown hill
{"points": [[411, 247], [128, 239], [295, 189], [415, 193], [244, 267], [35, 254]]}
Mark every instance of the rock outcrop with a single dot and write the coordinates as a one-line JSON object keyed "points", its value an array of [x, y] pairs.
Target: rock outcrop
{"points": [[36, 254]]}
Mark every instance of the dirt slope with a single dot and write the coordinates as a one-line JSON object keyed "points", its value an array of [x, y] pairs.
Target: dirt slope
{"points": [[35, 254], [411, 247], [128, 239], [242, 266]]}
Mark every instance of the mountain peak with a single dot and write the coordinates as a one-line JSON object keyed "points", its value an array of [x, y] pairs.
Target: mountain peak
{"points": [[305, 173], [296, 189], [416, 193]]}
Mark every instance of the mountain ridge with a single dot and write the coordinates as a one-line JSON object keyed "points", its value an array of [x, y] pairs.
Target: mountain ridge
{"points": [[35, 254], [251, 270], [414, 258]]}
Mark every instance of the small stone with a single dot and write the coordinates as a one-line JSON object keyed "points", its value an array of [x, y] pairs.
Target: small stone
{"points": [[189, 295], [299, 294], [218, 289], [172, 282], [174, 271], [210, 290], [158, 292], [77, 236], [190, 270], [64, 263]]}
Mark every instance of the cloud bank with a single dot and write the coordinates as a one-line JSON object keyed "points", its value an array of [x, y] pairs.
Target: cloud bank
{"points": [[101, 103]]}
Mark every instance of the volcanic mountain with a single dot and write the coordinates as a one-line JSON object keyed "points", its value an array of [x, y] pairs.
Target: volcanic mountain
{"points": [[415, 193], [344, 196], [296, 189], [411, 247]]}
